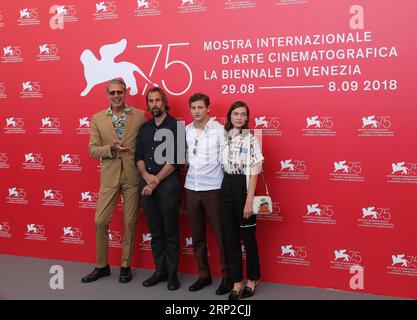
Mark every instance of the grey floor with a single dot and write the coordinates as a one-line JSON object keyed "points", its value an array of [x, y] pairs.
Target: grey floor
{"points": [[25, 278]]}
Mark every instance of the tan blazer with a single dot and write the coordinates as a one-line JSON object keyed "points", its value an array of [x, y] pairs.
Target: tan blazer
{"points": [[103, 134]]}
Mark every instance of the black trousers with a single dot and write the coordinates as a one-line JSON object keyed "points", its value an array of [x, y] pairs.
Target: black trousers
{"points": [[236, 227], [161, 211]]}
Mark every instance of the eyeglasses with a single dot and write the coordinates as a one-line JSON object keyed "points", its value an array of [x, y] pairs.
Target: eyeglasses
{"points": [[119, 92], [195, 147]]}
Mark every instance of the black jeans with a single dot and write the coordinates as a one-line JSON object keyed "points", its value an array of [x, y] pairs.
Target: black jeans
{"points": [[235, 227], [161, 211]]}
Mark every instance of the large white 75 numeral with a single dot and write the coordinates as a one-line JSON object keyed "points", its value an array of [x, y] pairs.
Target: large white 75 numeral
{"points": [[167, 65]]}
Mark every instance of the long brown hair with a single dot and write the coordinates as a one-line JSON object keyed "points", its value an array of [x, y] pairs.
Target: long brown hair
{"points": [[238, 104]]}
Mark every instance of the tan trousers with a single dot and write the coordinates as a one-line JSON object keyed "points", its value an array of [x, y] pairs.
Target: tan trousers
{"points": [[106, 202]]}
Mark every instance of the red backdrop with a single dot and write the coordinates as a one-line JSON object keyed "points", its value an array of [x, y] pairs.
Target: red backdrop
{"points": [[329, 83]]}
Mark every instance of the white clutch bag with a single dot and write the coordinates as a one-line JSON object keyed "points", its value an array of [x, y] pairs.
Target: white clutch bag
{"points": [[262, 204]]}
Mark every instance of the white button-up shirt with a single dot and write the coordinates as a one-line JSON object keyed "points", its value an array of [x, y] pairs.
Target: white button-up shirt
{"points": [[203, 155]]}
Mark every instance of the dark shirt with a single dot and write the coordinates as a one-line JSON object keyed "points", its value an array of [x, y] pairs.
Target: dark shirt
{"points": [[147, 144]]}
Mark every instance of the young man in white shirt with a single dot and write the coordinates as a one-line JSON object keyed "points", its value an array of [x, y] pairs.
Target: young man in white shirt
{"points": [[202, 184]]}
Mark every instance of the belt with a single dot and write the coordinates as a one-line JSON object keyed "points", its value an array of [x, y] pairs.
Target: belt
{"points": [[226, 174]]}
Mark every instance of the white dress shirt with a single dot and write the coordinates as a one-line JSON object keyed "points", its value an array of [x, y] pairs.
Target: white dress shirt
{"points": [[203, 155]]}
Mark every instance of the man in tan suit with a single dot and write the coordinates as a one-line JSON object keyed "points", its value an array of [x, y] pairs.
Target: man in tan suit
{"points": [[113, 138]]}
